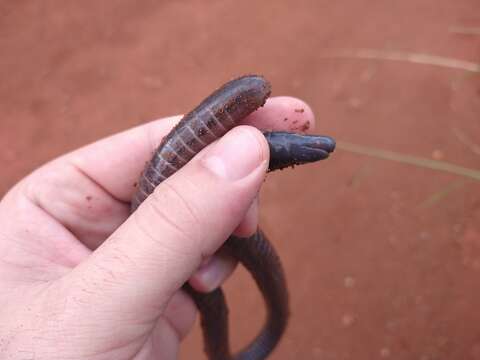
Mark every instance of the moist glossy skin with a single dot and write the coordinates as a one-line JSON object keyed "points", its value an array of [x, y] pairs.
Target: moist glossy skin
{"points": [[217, 114], [288, 149]]}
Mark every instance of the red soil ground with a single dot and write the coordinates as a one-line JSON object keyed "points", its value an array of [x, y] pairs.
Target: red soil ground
{"points": [[383, 258]]}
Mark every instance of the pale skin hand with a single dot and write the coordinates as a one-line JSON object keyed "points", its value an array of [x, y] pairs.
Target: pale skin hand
{"points": [[79, 279]]}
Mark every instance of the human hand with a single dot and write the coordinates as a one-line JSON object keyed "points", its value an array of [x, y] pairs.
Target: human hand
{"points": [[81, 279]]}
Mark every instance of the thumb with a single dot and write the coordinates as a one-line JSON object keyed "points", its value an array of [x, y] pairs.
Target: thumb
{"points": [[188, 217]]}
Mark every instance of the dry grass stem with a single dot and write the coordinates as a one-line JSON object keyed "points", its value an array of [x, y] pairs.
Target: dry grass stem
{"points": [[412, 57], [464, 30], [410, 160]]}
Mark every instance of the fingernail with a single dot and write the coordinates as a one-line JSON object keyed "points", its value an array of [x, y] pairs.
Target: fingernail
{"points": [[235, 155], [249, 224], [210, 276]]}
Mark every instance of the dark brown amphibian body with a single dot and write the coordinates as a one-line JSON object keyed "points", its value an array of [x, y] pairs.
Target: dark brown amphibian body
{"points": [[217, 114]]}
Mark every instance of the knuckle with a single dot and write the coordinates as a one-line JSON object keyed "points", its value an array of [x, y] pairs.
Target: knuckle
{"points": [[169, 197], [168, 206], [34, 186]]}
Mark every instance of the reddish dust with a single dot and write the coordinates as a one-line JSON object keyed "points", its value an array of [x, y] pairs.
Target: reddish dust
{"points": [[382, 258]]}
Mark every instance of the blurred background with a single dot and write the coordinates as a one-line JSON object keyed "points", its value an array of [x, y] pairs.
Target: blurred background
{"points": [[381, 243]]}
